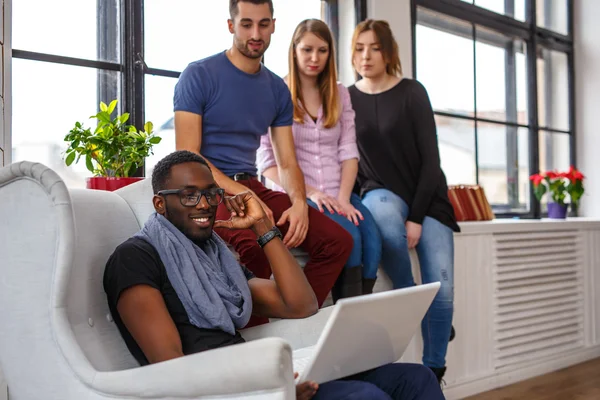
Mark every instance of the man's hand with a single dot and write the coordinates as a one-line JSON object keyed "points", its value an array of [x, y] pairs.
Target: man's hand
{"points": [[297, 215], [305, 390], [351, 213], [245, 211], [323, 200], [266, 209], [413, 234]]}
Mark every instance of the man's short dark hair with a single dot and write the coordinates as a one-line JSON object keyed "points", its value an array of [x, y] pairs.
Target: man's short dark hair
{"points": [[233, 6], [162, 170]]}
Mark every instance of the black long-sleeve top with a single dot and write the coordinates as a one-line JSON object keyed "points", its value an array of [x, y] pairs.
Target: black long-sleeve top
{"points": [[397, 141]]}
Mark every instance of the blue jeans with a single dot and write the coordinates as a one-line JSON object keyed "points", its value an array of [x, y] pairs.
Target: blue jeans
{"points": [[392, 381], [366, 250], [436, 258]]}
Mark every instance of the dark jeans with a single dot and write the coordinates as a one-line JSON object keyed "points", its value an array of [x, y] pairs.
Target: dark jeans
{"points": [[389, 382]]}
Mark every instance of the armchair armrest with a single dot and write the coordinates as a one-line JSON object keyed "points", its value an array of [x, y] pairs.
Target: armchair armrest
{"points": [[297, 332], [260, 366]]}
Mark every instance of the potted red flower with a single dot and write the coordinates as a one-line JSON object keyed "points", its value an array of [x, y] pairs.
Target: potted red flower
{"points": [[113, 151], [565, 188]]}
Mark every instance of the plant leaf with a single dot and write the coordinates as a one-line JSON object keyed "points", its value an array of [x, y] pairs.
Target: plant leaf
{"points": [[148, 126], [155, 140], [103, 106], [104, 117], [124, 118], [70, 158], [111, 107], [88, 163]]}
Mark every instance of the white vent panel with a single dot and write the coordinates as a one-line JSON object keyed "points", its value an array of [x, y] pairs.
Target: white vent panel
{"points": [[538, 294]]}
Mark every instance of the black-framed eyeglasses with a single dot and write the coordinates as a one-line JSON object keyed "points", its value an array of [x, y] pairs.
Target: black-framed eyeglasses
{"points": [[190, 197]]}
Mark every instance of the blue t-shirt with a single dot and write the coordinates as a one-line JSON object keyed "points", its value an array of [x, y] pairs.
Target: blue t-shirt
{"points": [[237, 108]]}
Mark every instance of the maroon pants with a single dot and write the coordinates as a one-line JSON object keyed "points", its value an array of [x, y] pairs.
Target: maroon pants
{"points": [[327, 243]]}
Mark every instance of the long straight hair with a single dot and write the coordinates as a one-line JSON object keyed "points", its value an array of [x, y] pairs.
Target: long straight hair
{"points": [[387, 42], [327, 80]]}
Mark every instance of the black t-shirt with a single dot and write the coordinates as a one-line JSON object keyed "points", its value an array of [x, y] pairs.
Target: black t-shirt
{"points": [[136, 262], [397, 141]]}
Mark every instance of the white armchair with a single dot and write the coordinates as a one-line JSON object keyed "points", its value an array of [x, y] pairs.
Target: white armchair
{"points": [[57, 338]]}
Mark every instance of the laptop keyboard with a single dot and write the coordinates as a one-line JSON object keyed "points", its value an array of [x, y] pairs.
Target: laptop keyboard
{"points": [[301, 357], [300, 364]]}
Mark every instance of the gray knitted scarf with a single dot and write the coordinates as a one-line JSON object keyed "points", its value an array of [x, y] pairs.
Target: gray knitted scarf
{"points": [[208, 280]]}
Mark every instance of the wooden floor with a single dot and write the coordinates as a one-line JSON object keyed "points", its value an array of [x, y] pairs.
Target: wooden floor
{"points": [[581, 382]]}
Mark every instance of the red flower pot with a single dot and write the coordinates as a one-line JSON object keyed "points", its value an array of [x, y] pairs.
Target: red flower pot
{"points": [[110, 183]]}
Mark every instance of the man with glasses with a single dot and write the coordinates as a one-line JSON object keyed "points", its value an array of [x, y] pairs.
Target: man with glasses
{"points": [[167, 275], [175, 289], [223, 104]]}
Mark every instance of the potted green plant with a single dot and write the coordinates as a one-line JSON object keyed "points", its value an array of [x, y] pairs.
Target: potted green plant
{"points": [[113, 151], [565, 188]]}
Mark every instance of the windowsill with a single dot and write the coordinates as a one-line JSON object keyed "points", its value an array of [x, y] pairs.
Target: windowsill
{"points": [[500, 225]]}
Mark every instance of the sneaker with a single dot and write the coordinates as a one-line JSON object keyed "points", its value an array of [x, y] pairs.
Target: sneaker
{"points": [[439, 373]]}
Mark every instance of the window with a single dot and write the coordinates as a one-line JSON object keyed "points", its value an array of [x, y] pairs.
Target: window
{"points": [[165, 26], [61, 70], [130, 50], [502, 97]]}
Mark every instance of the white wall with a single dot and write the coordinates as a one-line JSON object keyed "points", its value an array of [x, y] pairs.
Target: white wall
{"points": [[587, 100], [346, 23], [397, 13]]}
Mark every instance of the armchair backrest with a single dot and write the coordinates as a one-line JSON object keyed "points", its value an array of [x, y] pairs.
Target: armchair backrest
{"points": [[55, 331], [139, 198], [103, 220]]}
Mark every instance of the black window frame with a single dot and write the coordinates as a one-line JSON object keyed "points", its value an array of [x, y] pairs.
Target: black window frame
{"points": [[534, 37], [125, 24]]}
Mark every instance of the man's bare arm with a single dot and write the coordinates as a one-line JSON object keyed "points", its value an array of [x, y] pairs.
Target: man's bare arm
{"points": [[292, 181], [145, 315], [290, 174], [289, 295], [188, 136]]}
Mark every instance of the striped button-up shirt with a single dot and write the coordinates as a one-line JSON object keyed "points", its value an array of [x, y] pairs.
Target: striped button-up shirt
{"points": [[320, 151]]}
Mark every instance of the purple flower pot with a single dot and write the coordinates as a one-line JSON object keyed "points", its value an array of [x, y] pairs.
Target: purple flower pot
{"points": [[557, 211]]}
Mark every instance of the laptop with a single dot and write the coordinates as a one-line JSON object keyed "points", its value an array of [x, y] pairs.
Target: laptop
{"points": [[364, 332]]}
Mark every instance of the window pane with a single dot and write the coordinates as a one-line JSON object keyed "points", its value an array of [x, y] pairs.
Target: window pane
{"points": [[159, 110], [445, 64], [552, 14], [503, 155], [456, 138], [501, 77], [555, 150], [514, 8], [179, 32], [553, 89], [56, 104], [50, 27], [288, 15]]}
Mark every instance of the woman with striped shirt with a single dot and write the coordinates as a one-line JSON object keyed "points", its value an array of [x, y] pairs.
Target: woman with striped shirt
{"points": [[325, 140]]}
